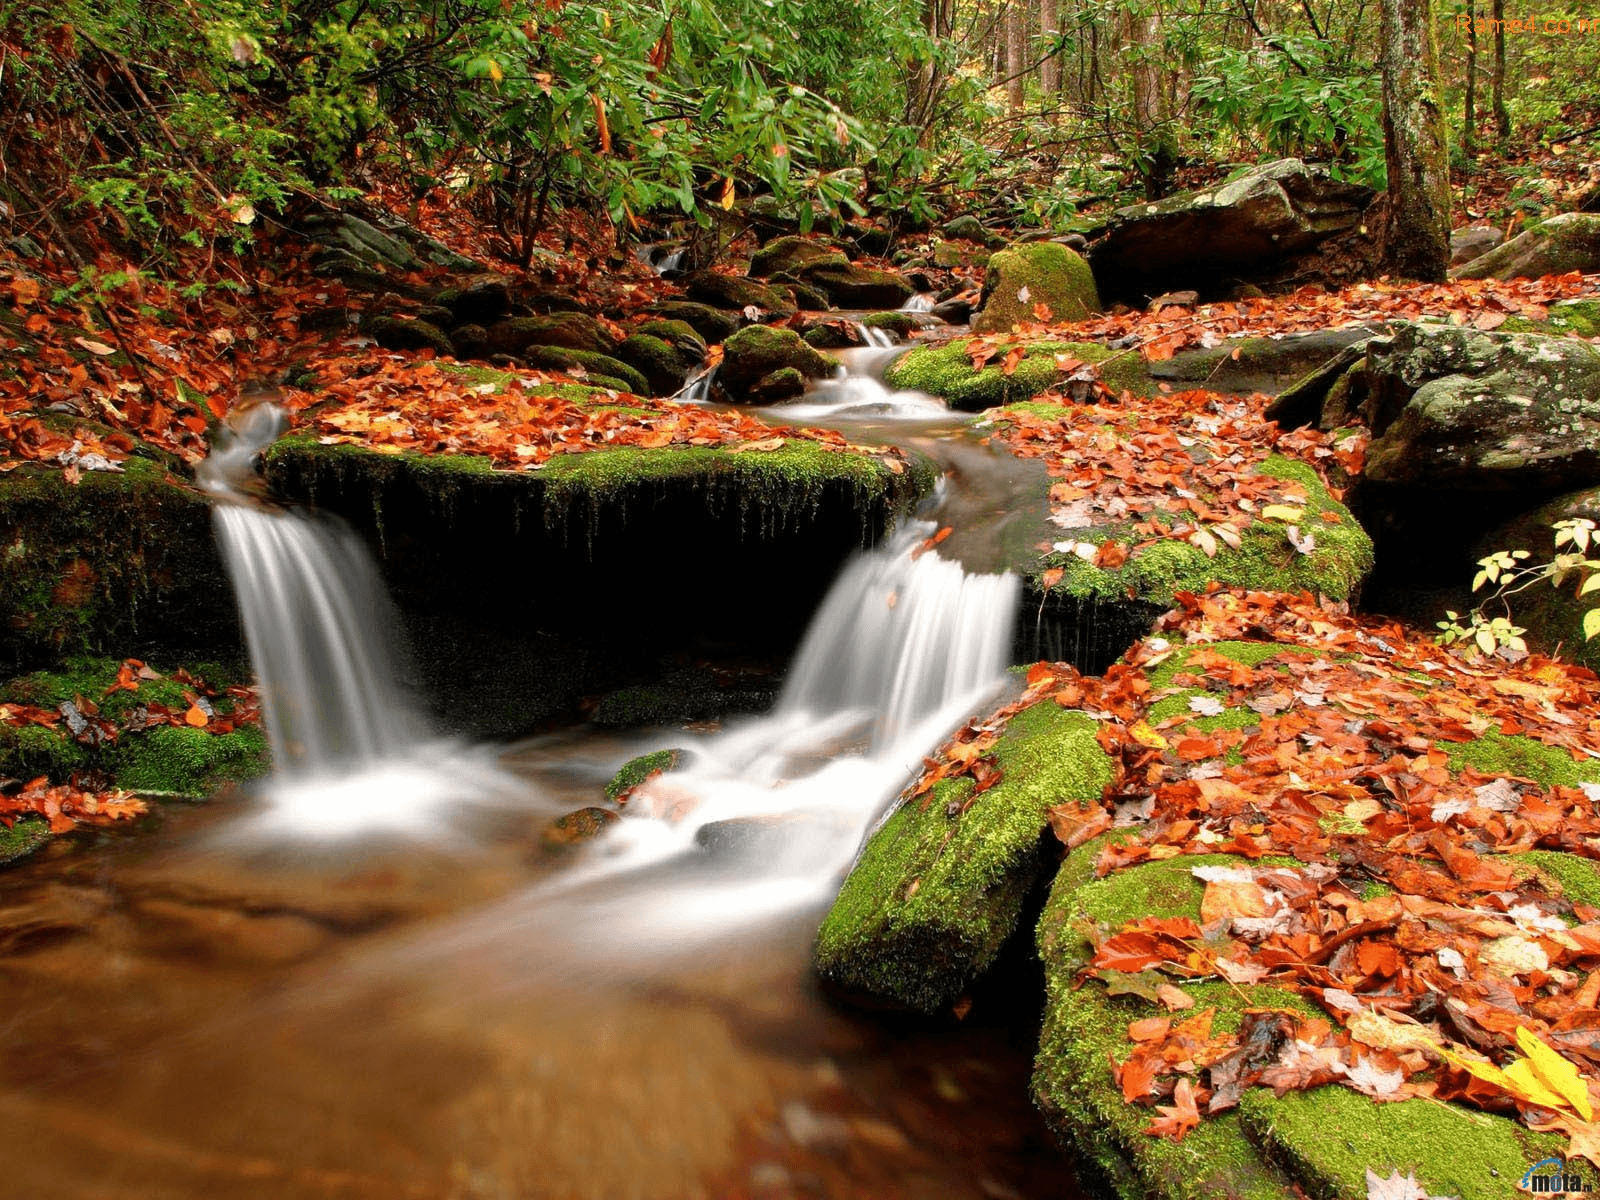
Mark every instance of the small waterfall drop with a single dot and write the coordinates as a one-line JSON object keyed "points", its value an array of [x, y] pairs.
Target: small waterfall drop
{"points": [[920, 303], [350, 752]]}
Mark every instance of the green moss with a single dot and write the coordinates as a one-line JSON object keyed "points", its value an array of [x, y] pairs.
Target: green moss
{"points": [[636, 770], [597, 366], [1496, 754], [1251, 654], [1577, 879], [22, 838], [947, 371], [1575, 318], [190, 762], [1046, 273], [1265, 560], [1329, 1137], [938, 890], [901, 324]]}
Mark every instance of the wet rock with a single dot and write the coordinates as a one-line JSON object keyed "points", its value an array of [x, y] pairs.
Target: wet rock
{"points": [[571, 331], [851, 286], [1468, 244], [554, 302], [1459, 409], [953, 312], [786, 383], [640, 770], [792, 255], [575, 828], [435, 315], [398, 333], [1265, 364], [361, 240], [710, 323], [734, 292], [656, 360], [747, 837], [901, 324], [1569, 242], [833, 335], [1025, 276], [1245, 231], [758, 351], [480, 301], [1327, 396]]}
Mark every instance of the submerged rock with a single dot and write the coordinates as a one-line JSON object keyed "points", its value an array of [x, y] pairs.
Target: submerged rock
{"points": [[575, 828], [1028, 275], [940, 887]]}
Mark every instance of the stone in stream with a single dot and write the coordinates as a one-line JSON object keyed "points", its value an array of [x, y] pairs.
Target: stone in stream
{"points": [[1554, 246], [575, 828], [756, 353], [1030, 274], [658, 361], [793, 255], [710, 323], [849, 285], [734, 292], [947, 371]]}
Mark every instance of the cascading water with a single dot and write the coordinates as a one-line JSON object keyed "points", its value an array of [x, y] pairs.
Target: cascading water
{"points": [[350, 752]]}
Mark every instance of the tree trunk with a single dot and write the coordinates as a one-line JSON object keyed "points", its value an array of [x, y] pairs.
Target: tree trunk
{"points": [[1016, 54], [1469, 115], [1050, 67], [1502, 118], [1417, 237]]}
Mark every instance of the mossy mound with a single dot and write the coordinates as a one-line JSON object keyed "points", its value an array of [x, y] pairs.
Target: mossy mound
{"points": [[793, 254], [680, 335], [601, 370], [121, 562], [1266, 560], [1318, 1143], [656, 360], [22, 838], [636, 770], [1022, 277], [1572, 318], [567, 330], [758, 351], [710, 323], [947, 371], [939, 888]]}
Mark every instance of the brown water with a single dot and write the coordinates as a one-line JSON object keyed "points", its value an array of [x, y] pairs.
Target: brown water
{"points": [[189, 1020]]}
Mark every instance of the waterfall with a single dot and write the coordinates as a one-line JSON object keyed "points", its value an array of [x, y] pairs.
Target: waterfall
{"points": [[350, 753], [920, 303]]}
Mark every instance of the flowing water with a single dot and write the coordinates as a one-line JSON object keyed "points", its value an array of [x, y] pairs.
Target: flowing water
{"points": [[228, 1004]]}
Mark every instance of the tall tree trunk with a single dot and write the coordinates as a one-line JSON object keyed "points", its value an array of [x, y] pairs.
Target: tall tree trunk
{"points": [[1016, 53], [1050, 67], [1502, 118], [1469, 115], [1417, 237]]}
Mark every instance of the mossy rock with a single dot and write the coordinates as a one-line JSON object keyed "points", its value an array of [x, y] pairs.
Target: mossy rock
{"points": [[600, 369], [947, 371], [576, 828], [756, 351], [786, 383], [938, 890], [1552, 616], [681, 336], [853, 286], [398, 333], [190, 762], [657, 361], [566, 330], [1569, 242], [802, 294], [710, 323], [1265, 561], [636, 770], [950, 255], [1568, 877], [121, 562], [792, 255], [734, 292], [22, 837], [901, 324], [1050, 273], [1570, 318]]}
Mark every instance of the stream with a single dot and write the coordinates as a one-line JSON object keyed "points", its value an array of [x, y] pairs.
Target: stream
{"points": [[362, 978]]}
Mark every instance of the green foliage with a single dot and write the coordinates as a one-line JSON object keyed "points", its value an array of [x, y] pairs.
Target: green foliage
{"points": [[1505, 569]]}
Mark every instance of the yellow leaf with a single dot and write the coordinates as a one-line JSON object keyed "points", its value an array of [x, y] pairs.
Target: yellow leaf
{"points": [[496, 72], [1145, 736], [1559, 1075], [1523, 1083], [727, 194], [1282, 512]]}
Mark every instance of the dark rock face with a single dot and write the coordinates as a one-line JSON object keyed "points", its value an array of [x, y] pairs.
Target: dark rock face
{"points": [[850, 286], [733, 292], [758, 352], [1484, 412], [570, 331], [1570, 242], [481, 301], [1249, 230], [396, 333]]}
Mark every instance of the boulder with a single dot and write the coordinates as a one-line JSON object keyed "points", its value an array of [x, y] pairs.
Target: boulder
{"points": [[399, 333], [656, 360], [684, 339], [1260, 364], [734, 292], [955, 311], [802, 294], [1570, 242], [1460, 410], [757, 351], [599, 369], [792, 255], [786, 383], [852, 286], [710, 323], [968, 228], [1250, 229], [482, 300], [1025, 276], [1467, 244], [568, 330]]}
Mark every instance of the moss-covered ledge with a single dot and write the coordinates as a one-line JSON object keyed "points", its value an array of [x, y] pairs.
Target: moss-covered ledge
{"points": [[1318, 1143], [947, 371], [940, 887]]}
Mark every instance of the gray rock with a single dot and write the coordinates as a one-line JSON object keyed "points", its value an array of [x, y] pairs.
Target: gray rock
{"points": [[1261, 364], [1570, 242], [1246, 230], [1462, 410], [966, 227], [1468, 244]]}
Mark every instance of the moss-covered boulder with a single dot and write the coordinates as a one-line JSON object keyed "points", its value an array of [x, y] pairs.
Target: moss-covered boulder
{"points": [[901, 324], [400, 333], [684, 339], [940, 887], [757, 351], [656, 360], [792, 255], [1554, 246], [1264, 364], [1030, 274], [734, 292], [710, 323], [639, 770], [567, 330], [1320, 1142], [853, 286], [601, 370], [123, 562], [947, 371]]}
